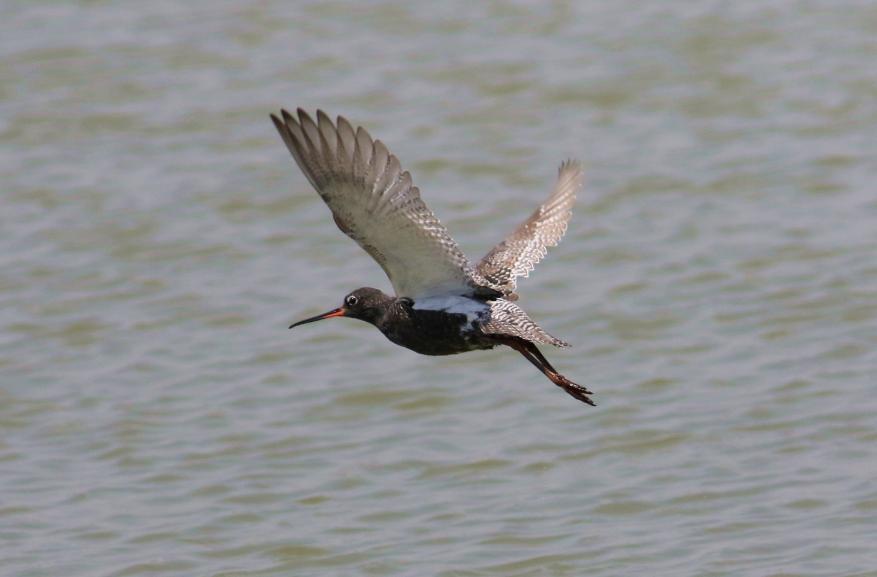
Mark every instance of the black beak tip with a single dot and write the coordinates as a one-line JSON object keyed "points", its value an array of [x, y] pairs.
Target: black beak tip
{"points": [[333, 313]]}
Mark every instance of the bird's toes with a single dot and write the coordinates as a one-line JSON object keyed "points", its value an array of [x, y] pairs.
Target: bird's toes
{"points": [[581, 394], [575, 390]]}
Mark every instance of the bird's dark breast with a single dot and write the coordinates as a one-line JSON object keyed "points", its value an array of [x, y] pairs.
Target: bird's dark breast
{"points": [[431, 332]]}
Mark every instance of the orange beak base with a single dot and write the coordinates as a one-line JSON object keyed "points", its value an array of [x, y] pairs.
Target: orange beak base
{"points": [[328, 315]]}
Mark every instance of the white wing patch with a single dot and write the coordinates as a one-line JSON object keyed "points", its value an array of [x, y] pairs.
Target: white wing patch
{"points": [[454, 304]]}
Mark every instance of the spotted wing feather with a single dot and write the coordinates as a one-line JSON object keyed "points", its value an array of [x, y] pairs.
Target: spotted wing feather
{"points": [[519, 253], [374, 202], [508, 319]]}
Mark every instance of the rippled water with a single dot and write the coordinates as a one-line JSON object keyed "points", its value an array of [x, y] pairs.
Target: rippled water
{"points": [[718, 282]]}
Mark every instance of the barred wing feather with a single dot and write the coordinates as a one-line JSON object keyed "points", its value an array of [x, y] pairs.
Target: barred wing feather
{"points": [[508, 319], [374, 202], [519, 253]]}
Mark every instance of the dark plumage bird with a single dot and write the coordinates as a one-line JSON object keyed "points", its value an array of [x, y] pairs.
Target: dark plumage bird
{"points": [[443, 304]]}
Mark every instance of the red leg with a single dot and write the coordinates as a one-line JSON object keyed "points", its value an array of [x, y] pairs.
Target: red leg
{"points": [[532, 354]]}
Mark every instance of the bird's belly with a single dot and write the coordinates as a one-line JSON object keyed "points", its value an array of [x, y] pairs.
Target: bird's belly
{"points": [[437, 332], [449, 345]]}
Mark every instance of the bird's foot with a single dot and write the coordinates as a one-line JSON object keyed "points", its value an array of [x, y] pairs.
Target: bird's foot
{"points": [[576, 391]]}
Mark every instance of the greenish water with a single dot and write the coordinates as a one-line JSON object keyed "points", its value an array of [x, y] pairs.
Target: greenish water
{"points": [[718, 282]]}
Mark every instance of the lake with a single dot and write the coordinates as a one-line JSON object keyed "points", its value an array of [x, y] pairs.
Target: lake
{"points": [[718, 283]]}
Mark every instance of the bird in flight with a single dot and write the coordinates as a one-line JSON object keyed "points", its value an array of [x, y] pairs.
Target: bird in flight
{"points": [[443, 304]]}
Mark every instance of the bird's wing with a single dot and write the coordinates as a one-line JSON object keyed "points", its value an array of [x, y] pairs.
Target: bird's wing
{"points": [[527, 245], [508, 319], [375, 203]]}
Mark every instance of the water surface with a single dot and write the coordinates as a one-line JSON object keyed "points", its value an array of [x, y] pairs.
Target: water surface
{"points": [[718, 282]]}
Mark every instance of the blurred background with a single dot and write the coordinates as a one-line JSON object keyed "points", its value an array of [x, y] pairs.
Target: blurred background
{"points": [[718, 282]]}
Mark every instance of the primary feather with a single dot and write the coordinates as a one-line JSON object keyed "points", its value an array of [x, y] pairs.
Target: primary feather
{"points": [[374, 202], [519, 253]]}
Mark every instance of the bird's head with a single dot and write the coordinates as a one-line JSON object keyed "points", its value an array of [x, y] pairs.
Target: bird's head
{"points": [[366, 304]]}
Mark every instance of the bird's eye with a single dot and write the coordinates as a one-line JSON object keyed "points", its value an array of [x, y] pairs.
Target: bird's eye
{"points": [[351, 300]]}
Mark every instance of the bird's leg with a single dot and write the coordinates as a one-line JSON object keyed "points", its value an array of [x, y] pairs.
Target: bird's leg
{"points": [[532, 354]]}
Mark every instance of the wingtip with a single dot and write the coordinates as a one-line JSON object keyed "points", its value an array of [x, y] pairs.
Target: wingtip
{"points": [[362, 133], [572, 172], [323, 117], [570, 164], [303, 116], [339, 120]]}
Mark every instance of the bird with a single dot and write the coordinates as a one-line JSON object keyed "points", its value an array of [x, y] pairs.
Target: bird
{"points": [[443, 304]]}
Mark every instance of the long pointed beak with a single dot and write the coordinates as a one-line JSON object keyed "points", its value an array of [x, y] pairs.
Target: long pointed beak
{"points": [[328, 315]]}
